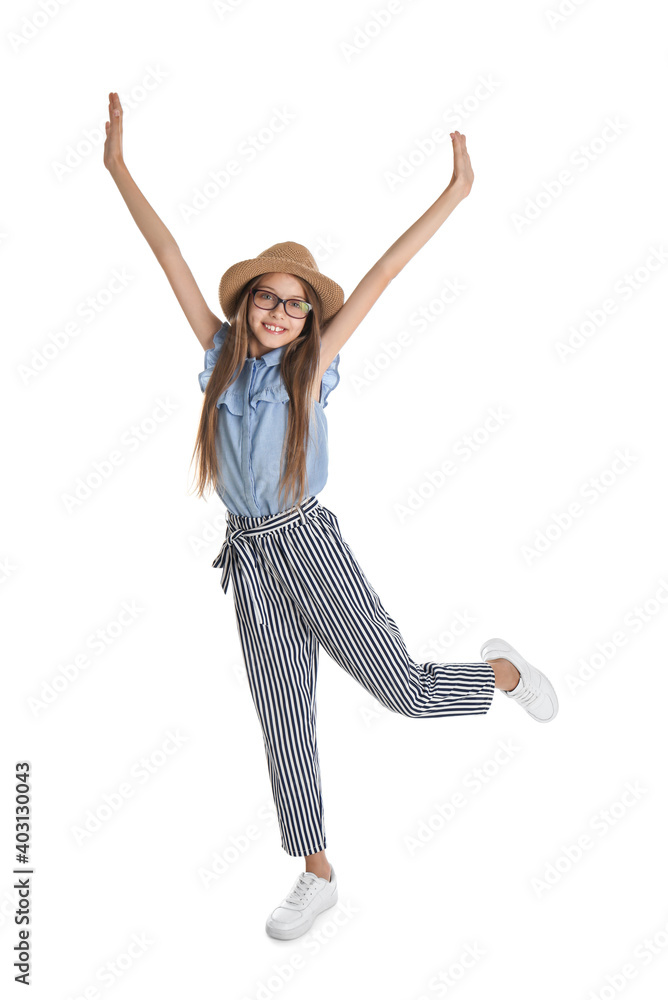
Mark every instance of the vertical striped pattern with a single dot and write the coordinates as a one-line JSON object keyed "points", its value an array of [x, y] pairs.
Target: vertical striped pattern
{"points": [[302, 573]]}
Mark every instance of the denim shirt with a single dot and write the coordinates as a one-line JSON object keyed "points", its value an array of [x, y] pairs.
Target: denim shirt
{"points": [[252, 422]]}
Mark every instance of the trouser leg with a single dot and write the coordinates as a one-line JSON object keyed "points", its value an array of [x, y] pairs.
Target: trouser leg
{"points": [[281, 659], [319, 573]]}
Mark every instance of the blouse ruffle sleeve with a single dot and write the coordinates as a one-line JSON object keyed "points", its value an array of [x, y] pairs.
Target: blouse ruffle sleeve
{"points": [[212, 355], [330, 380]]}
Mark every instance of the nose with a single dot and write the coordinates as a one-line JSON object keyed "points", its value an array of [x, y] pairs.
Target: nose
{"points": [[279, 308]]}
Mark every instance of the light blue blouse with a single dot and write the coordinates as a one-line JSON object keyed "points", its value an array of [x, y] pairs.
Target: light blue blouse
{"points": [[252, 422]]}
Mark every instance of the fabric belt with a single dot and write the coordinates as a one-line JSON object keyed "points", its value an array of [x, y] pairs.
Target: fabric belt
{"points": [[236, 539]]}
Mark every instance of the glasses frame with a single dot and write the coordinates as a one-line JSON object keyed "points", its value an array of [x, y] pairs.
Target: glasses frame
{"points": [[282, 302]]}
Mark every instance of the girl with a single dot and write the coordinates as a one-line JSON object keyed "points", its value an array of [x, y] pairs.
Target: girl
{"points": [[262, 444]]}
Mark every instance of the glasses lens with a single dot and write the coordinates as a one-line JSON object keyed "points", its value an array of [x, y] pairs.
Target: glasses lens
{"points": [[265, 300], [296, 308]]}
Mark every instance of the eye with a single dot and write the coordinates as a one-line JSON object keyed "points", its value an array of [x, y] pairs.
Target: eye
{"points": [[298, 304], [266, 295]]}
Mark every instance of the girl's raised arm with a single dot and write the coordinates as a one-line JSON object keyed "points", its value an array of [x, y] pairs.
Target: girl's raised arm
{"points": [[358, 304], [203, 321]]}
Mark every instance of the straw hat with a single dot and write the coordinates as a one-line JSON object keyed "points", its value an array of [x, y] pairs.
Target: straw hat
{"points": [[292, 258]]}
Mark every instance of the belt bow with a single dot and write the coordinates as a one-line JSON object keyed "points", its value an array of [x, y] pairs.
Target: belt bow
{"points": [[235, 538]]}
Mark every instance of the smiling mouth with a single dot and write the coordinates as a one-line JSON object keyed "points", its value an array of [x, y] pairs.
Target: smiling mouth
{"points": [[275, 332]]}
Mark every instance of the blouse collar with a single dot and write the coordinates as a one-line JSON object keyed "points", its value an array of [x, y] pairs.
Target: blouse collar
{"points": [[271, 357]]}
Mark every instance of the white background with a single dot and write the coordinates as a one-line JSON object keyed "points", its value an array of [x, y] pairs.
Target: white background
{"points": [[535, 93]]}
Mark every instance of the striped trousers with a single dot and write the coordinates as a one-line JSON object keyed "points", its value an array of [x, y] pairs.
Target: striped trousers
{"points": [[297, 586]]}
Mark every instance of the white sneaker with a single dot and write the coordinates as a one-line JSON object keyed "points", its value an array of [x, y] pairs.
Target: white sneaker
{"points": [[533, 692], [309, 896]]}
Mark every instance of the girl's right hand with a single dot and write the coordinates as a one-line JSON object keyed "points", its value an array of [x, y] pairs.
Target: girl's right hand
{"points": [[113, 144], [462, 174]]}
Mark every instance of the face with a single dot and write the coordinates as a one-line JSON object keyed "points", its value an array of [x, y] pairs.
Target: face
{"points": [[286, 328]]}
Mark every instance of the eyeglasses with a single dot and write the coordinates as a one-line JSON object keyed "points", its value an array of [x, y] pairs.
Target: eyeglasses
{"points": [[297, 308]]}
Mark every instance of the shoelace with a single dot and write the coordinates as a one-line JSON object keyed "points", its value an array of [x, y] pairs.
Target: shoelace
{"points": [[526, 696], [300, 890]]}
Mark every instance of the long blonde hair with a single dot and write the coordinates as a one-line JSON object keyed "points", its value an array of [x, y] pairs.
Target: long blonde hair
{"points": [[299, 367]]}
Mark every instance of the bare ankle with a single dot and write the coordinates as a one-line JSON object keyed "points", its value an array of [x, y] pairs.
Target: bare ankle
{"points": [[323, 872], [506, 674], [319, 865]]}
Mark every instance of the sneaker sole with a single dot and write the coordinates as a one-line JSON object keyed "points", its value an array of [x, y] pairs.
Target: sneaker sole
{"points": [[287, 934]]}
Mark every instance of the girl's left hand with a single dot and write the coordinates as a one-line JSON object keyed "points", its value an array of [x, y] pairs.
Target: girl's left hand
{"points": [[113, 144], [462, 174]]}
